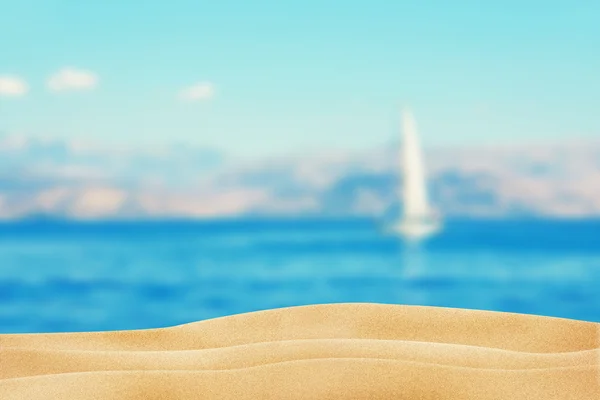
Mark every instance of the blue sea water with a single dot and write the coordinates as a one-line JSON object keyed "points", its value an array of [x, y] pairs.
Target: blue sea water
{"points": [[68, 276]]}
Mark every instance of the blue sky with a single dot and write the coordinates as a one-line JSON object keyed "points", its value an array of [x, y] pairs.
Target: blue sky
{"points": [[292, 76]]}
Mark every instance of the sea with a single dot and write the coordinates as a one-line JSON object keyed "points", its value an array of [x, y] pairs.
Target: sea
{"points": [[59, 276]]}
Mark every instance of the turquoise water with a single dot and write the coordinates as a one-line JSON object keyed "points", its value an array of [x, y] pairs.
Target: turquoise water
{"points": [[106, 276]]}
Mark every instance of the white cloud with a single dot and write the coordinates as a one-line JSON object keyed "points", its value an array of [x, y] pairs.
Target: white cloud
{"points": [[208, 202], [72, 79], [199, 91], [12, 86], [13, 142], [98, 202], [48, 200]]}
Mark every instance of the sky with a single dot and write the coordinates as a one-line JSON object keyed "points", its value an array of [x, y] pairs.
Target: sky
{"points": [[270, 77]]}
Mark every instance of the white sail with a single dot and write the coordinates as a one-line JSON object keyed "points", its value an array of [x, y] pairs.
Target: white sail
{"points": [[414, 193], [419, 220]]}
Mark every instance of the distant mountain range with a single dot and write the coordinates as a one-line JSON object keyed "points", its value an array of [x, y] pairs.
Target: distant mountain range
{"points": [[53, 178]]}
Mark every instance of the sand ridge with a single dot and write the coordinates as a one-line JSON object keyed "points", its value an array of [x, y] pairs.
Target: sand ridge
{"points": [[19, 362], [335, 351], [315, 379]]}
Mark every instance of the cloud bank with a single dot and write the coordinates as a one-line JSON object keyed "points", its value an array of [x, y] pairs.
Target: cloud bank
{"points": [[68, 179]]}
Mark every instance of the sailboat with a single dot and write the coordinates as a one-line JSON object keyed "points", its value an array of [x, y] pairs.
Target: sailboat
{"points": [[419, 220]]}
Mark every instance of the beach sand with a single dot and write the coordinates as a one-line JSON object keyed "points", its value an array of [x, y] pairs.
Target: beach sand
{"points": [[335, 351]]}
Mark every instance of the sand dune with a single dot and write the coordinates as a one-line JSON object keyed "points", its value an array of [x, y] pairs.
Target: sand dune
{"points": [[507, 331], [341, 351]]}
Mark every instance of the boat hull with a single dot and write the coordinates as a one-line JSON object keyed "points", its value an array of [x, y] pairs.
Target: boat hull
{"points": [[415, 231]]}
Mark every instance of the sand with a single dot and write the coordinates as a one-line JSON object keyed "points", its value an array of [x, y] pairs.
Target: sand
{"points": [[336, 351]]}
